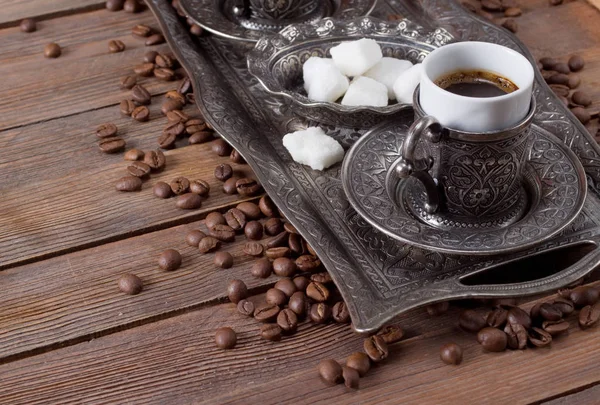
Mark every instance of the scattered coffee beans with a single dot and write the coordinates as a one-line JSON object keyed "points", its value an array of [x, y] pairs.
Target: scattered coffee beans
{"points": [[208, 244], [115, 46], [179, 185], [539, 337], [236, 157], [106, 130], [141, 31], [516, 336], [245, 308], [589, 315], [279, 240], [351, 377], [111, 145], [331, 372], [517, 315], [133, 155], [249, 209], [273, 226], [141, 114], [132, 6], [376, 348], [130, 284], [229, 186], [391, 334], [127, 82], [52, 50], [287, 286], [223, 172], [301, 283], [555, 327], [150, 56], [145, 69], [451, 353], [287, 320], [129, 183], [200, 187], [224, 233], [236, 290], [155, 39], [262, 268], [340, 312], [114, 5], [360, 362], [214, 218], [247, 187], [317, 292], [497, 317], [237, 221], [138, 169], [320, 313], [270, 331], [298, 303], [266, 313], [308, 263], [221, 148], [576, 63], [225, 338], [492, 339], [126, 107], [162, 190], [276, 297], [581, 98], [188, 201], [167, 140], [169, 260], [253, 249], [194, 237], [254, 231], [140, 95], [200, 137], [223, 260], [285, 267], [28, 25]]}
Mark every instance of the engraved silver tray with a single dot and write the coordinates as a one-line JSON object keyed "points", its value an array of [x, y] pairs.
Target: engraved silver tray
{"points": [[378, 276]]}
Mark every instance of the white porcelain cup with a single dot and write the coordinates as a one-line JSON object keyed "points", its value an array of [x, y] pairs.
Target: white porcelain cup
{"points": [[476, 114]]}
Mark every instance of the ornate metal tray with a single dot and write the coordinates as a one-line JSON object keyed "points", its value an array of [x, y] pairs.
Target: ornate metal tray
{"points": [[378, 276]]}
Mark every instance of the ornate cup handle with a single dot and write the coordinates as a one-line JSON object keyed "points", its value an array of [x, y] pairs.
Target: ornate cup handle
{"points": [[406, 165]]}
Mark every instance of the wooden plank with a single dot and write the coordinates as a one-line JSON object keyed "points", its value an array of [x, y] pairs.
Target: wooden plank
{"points": [[175, 361], [15, 10], [72, 297], [588, 396], [58, 188], [84, 77]]}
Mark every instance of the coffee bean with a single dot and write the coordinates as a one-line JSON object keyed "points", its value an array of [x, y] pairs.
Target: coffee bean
{"points": [[165, 61], [191, 98], [298, 303], [111, 145], [155, 39], [576, 63], [223, 172], [150, 56], [155, 159], [208, 244], [229, 186], [270, 331], [253, 249], [214, 218], [555, 327], [287, 320], [133, 155], [558, 78], [340, 312], [202, 137], [247, 187], [130, 284], [174, 128], [574, 81], [127, 82], [221, 148], [236, 157], [548, 63], [391, 333], [564, 293], [550, 312], [194, 129], [170, 105], [180, 185], [283, 266], [539, 337], [351, 377], [237, 221], [561, 67], [286, 286], [308, 263], [323, 278], [138, 169], [360, 362], [555, 2], [141, 31], [194, 237], [167, 75], [245, 308], [141, 113], [177, 116], [188, 201], [236, 291], [273, 226], [589, 315], [266, 313], [114, 5], [296, 244], [492, 339], [126, 107], [268, 207], [276, 297], [225, 338], [224, 260], [28, 25], [279, 252], [144, 70], [516, 336], [301, 282], [471, 321], [317, 291], [438, 308], [185, 86], [583, 295], [129, 183], [169, 260], [517, 315], [106, 130], [581, 114], [196, 30], [175, 95], [546, 74], [565, 306], [262, 268], [166, 140], [331, 372], [52, 50], [195, 125], [200, 187], [253, 230], [290, 228], [497, 317], [162, 190], [451, 354], [376, 348], [320, 313], [582, 98], [511, 25], [279, 240], [224, 233], [513, 12], [560, 90], [249, 209], [140, 95], [115, 46]]}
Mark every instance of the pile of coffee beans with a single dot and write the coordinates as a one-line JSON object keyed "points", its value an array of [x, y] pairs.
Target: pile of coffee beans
{"points": [[142, 164], [501, 12]]}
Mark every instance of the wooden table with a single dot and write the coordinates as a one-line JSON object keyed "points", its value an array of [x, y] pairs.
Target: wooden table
{"points": [[67, 335]]}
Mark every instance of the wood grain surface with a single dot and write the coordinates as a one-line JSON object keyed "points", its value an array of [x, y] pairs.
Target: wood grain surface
{"points": [[15, 10]]}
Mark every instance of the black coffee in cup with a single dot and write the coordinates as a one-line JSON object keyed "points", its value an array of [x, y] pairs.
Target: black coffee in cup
{"points": [[476, 83]]}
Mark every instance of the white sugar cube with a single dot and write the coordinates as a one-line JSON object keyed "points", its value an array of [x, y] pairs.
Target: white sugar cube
{"points": [[356, 57], [314, 148], [323, 80], [386, 71], [366, 91], [406, 83]]}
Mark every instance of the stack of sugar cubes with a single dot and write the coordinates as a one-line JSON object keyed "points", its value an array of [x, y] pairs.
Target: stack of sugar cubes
{"points": [[376, 79]]}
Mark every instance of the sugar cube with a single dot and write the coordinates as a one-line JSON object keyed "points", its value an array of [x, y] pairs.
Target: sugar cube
{"points": [[406, 83], [313, 67], [386, 71], [366, 91], [323, 80], [314, 148], [354, 58]]}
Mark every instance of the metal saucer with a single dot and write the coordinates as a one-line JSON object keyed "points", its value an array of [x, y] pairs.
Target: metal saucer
{"points": [[554, 181], [217, 16]]}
